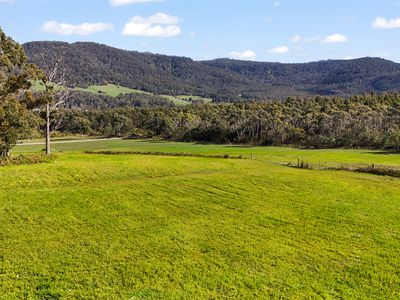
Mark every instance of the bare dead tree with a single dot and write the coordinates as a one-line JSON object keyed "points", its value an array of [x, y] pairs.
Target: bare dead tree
{"points": [[56, 94]]}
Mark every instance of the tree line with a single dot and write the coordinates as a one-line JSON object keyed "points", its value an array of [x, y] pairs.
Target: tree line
{"points": [[366, 121]]}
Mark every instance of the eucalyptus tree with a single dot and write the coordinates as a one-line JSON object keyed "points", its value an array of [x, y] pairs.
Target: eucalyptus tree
{"points": [[16, 97], [54, 95]]}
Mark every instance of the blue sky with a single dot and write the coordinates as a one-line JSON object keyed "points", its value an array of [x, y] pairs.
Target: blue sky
{"points": [[262, 30]]}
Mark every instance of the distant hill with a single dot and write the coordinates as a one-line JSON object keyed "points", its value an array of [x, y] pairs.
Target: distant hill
{"points": [[88, 64]]}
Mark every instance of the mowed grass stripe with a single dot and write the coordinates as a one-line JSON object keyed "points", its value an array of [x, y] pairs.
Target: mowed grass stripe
{"points": [[282, 155], [149, 227]]}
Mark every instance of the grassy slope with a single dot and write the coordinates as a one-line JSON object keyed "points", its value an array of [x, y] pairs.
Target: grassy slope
{"points": [[110, 90], [38, 86], [185, 100], [112, 227], [114, 91], [195, 98], [176, 100]]}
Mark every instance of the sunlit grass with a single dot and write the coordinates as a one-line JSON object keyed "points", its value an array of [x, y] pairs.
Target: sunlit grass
{"points": [[148, 227], [271, 154], [111, 90]]}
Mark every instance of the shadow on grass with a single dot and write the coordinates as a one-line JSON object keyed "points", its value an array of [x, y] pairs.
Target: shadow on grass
{"points": [[197, 143], [223, 145], [155, 153], [386, 152]]}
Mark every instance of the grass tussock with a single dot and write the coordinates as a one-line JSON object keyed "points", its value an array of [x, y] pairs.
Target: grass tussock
{"points": [[31, 159], [368, 169], [380, 170], [177, 154]]}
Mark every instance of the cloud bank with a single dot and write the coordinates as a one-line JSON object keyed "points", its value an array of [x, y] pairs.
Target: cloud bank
{"points": [[78, 29], [335, 38], [245, 55], [382, 23], [158, 25], [279, 50]]}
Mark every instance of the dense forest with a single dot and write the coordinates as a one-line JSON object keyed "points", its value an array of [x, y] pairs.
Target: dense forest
{"points": [[367, 121], [223, 80]]}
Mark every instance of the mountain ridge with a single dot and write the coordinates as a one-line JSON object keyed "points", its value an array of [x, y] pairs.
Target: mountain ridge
{"points": [[224, 79]]}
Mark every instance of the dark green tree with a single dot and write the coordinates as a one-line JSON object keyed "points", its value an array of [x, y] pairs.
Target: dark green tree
{"points": [[16, 97]]}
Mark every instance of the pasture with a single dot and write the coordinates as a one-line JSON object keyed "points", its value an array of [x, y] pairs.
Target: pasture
{"points": [[90, 226], [113, 90]]}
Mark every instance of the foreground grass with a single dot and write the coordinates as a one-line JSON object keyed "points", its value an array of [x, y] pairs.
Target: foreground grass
{"points": [[150, 227]]}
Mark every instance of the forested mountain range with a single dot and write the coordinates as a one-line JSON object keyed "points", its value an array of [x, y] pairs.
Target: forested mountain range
{"points": [[223, 80]]}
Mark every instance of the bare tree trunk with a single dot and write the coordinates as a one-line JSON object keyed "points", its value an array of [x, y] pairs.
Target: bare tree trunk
{"points": [[48, 150], [5, 153]]}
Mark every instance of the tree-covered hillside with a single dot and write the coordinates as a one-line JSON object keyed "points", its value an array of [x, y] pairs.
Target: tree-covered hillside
{"points": [[223, 80]]}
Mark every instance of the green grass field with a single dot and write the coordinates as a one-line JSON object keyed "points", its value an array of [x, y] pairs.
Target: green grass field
{"points": [[113, 90], [195, 98], [153, 227], [186, 100]]}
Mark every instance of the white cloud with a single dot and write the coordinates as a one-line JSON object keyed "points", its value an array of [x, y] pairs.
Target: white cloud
{"points": [[126, 2], [158, 18], [268, 20], [330, 39], [279, 50], [335, 38], [296, 39], [245, 55], [382, 23], [303, 39], [381, 55], [7, 1], [80, 29], [277, 3], [158, 25]]}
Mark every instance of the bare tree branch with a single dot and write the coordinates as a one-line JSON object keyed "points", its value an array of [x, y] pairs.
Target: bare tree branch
{"points": [[58, 124], [57, 93]]}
